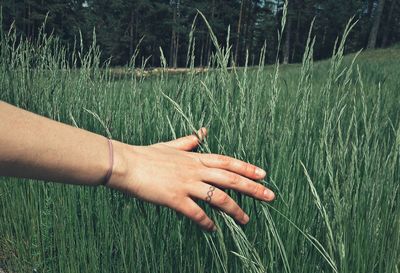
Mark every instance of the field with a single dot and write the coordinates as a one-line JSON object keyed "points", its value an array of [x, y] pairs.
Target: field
{"points": [[327, 132]]}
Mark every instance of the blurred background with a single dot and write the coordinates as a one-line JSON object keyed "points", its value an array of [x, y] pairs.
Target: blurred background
{"points": [[119, 26]]}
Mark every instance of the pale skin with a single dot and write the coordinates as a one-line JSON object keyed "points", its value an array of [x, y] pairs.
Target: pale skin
{"points": [[166, 173]]}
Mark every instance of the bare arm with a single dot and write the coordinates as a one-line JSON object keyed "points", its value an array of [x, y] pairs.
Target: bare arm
{"points": [[36, 147], [166, 173]]}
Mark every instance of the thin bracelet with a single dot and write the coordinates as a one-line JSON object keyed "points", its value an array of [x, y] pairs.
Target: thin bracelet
{"points": [[110, 168]]}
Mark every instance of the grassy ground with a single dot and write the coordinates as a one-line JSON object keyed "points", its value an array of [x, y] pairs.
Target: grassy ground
{"points": [[328, 133]]}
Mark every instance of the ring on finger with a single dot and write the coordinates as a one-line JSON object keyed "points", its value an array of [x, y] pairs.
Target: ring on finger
{"points": [[210, 194]]}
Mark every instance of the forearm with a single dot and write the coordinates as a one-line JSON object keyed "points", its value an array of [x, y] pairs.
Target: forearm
{"points": [[166, 173], [32, 146]]}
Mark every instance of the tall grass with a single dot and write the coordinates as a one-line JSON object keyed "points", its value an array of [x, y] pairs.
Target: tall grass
{"points": [[328, 133]]}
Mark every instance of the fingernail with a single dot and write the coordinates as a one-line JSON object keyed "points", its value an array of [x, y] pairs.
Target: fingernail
{"points": [[214, 229], [269, 195], [199, 135], [246, 218], [260, 172]]}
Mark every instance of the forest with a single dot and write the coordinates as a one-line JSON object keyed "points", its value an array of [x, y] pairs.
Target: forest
{"points": [[119, 27]]}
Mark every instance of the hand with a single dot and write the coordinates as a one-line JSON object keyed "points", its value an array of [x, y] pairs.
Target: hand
{"points": [[171, 175]]}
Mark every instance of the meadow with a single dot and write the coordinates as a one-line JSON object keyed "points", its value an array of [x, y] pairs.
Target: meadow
{"points": [[328, 134]]}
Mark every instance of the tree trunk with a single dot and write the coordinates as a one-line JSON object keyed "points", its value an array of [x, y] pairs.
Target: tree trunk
{"points": [[29, 22], [246, 21], [388, 24], [369, 8], [250, 39], [131, 35], [286, 46], [238, 30], [173, 37], [176, 51], [297, 39], [208, 48], [208, 43], [202, 52], [373, 35]]}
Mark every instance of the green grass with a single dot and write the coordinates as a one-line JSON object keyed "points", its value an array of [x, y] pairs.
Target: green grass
{"points": [[328, 134]]}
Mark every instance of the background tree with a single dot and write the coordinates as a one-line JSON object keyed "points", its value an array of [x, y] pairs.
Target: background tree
{"points": [[373, 35]]}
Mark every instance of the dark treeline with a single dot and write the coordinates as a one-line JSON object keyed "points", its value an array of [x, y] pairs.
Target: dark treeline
{"points": [[121, 24]]}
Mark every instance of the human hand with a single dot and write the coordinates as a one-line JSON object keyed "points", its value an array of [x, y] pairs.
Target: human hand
{"points": [[169, 174]]}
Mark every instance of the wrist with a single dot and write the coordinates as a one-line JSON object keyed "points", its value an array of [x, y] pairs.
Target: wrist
{"points": [[119, 167]]}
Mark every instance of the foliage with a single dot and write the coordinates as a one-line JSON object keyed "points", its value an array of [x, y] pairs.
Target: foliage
{"points": [[121, 25]]}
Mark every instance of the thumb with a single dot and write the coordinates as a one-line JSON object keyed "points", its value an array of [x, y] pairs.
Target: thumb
{"points": [[188, 143]]}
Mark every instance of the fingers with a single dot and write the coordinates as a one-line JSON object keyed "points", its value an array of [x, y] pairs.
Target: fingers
{"points": [[230, 180], [191, 210], [231, 164], [220, 199], [188, 143]]}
